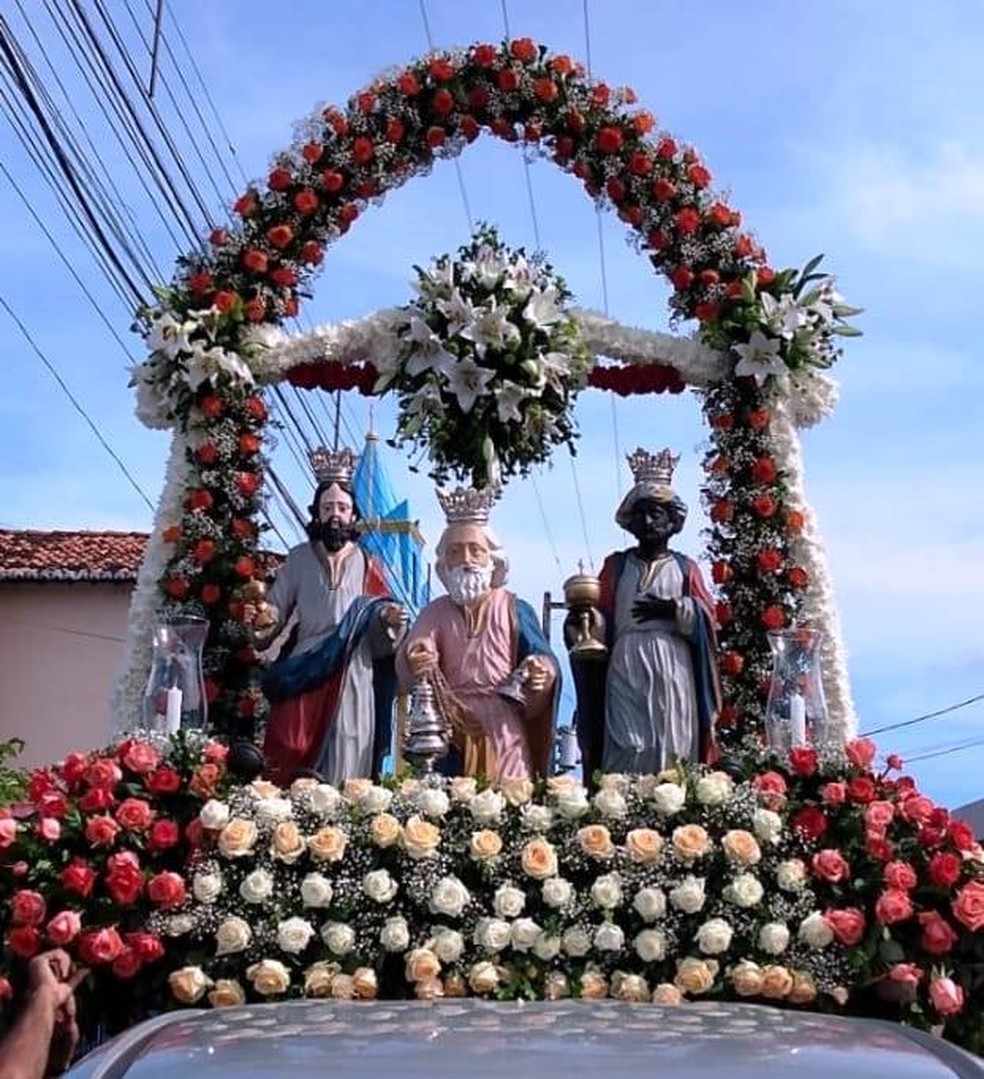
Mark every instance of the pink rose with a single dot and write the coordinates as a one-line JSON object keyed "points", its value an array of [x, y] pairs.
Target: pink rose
{"points": [[879, 815], [101, 831], [893, 906], [8, 832], [917, 808], [103, 772], [166, 890], [907, 974], [831, 865], [968, 907], [49, 829], [771, 788], [135, 815], [73, 768], [834, 794], [64, 928], [140, 757], [861, 752], [27, 907], [127, 964], [901, 876], [148, 946], [938, 936], [846, 924], [947, 997], [100, 946]]}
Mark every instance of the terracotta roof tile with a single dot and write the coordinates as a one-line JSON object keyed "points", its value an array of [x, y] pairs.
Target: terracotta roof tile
{"points": [[70, 556]]}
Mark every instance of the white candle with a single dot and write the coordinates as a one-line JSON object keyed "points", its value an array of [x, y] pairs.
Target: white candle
{"points": [[568, 748], [172, 717], [797, 719]]}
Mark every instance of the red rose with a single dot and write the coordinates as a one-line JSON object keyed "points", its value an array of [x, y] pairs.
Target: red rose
{"points": [[758, 419], [53, 804], [946, 996], [247, 483], [484, 55], [721, 572], [722, 511], [687, 220], [547, 91], [311, 253], [243, 529], [681, 278], [771, 787], [212, 408], [73, 768], [720, 214], [811, 821], [666, 149], [203, 551], [615, 190], [63, 928], [135, 815], [279, 180], [255, 309], [600, 95], [861, 789], [97, 800], [199, 282], [164, 834], [918, 808], [124, 879], [407, 84], [255, 261], [195, 834], [147, 945], [199, 499], [831, 865], [78, 878], [732, 663], [561, 64], [101, 831], [100, 947], [27, 907], [365, 100], [797, 577], [216, 753], [24, 941], [348, 212], [698, 175], [609, 140], [846, 924], [961, 835], [255, 408], [769, 560], [333, 180], [803, 760], [861, 752], [878, 815], [878, 847], [311, 152], [337, 120], [723, 614], [938, 936], [8, 832], [795, 521], [163, 781], [395, 131], [524, 49], [127, 964], [900, 876], [166, 890], [103, 772], [744, 248], [773, 617], [245, 568], [284, 277], [362, 150], [663, 189], [893, 906], [945, 868], [210, 594], [443, 102], [245, 204], [248, 444], [218, 237], [764, 470], [968, 907], [907, 974]]}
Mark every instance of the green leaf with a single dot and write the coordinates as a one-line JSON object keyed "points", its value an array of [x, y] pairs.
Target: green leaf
{"points": [[845, 310], [811, 266], [847, 331], [890, 951]]}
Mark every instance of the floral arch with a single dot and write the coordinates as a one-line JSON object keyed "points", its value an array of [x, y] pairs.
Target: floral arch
{"points": [[763, 338]]}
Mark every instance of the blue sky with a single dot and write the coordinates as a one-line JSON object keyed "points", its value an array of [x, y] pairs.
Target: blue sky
{"points": [[851, 128]]}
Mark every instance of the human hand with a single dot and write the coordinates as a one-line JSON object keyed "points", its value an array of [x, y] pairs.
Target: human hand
{"points": [[51, 975], [393, 615], [422, 658], [650, 609]]}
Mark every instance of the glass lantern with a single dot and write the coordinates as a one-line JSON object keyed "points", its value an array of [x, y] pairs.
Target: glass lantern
{"points": [[175, 695], [795, 712]]}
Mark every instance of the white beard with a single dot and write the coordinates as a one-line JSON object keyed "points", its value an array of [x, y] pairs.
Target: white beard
{"points": [[466, 584]]}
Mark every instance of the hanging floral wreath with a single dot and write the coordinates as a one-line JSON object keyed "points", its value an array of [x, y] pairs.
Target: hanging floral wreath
{"points": [[393, 130], [489, 363]]}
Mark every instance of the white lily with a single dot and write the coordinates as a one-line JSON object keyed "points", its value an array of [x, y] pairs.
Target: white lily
{"points": [[169, 336], [783, 316], [508, 398], [458, 311], [490, 327], [759, 358], [427, 351], [557, 365], [437, 281], [467, 381], [542, 309], [489, 266], [519, 278]]}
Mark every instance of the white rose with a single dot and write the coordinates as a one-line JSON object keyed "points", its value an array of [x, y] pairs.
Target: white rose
{"points": [[714, 936], [233, 935], [316, 890], [766, 825], [814, 931], [610, 803], [449, 897], [745, 890], [688, 895], [668, 798], [294, 935], [447, 944], [214, 815], [524, 934], [508, 902], [546, 947], [572, 803], [376, 800], [609, 937], [492, 934], [773, 938], [650, 903], [557, 892], [615, 781], [487, 807], [379, 886], [274, 809], [650, 945], [576, 942], [606, 892], [714, 789], [537, 818], [791, 875], [324, 799], [179, 925], [206, 887], [432, 802], [463, 789], [339, 937], [257, 886], [395, 935]]}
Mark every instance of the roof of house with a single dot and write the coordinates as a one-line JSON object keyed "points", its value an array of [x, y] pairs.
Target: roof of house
{"points": [[973, 814], [28, 555]]}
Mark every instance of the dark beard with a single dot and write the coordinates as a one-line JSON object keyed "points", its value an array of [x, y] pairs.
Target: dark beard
{"points": [[332, 533]]}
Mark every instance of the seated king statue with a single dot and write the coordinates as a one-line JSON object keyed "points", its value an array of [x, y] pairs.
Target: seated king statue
{"points": [[662, 692], [494, 676], [331, 690]]}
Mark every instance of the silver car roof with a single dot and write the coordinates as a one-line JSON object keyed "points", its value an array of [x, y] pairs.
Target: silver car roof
{"points": [[492, 1040]]}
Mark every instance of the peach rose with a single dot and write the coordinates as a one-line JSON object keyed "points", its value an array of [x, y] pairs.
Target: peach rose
{"points": [[227, 994], [630, 987], [318, 977], [485, 844], [777, 982], [463, 789], [420, 837], [287, 843], [421, 964], [354, 789], [968, 906], [690, 841], [596, 840], [455, 986], [237, 838], [539, 859], [269, 977], [328, 844], [695, 975], [741, 847], [342, 987], [804, 988], [746, 978], [365, 984], [667, 995], [644, 845], [385, 830], [517, 791], [189, 984], [483, 977], [429, 989], [263, 789], [594, 986], [556, 986], [557, 785]]}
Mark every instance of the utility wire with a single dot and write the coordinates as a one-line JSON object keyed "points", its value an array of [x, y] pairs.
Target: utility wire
{"points": [[928, 715]]}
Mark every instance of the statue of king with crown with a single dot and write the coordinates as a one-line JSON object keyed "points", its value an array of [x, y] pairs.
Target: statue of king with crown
{"points": [[484, 653], [661, 692], [331, 690]]}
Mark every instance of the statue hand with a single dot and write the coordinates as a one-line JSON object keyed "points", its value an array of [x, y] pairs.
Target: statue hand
{"points": [[648, 609], [259, 616], [422, 658], [538, 673], [393, 615]]}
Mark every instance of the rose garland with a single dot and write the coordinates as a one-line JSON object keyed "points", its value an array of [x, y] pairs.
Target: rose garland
{"points": [[254, 276]]}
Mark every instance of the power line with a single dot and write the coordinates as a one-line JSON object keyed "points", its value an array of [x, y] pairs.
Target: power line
{"points": [[945, 752], [928, 715]]}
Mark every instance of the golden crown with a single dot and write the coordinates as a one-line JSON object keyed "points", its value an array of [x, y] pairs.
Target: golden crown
{"points": [[466, 505], [333, 466], [654, 468]]}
